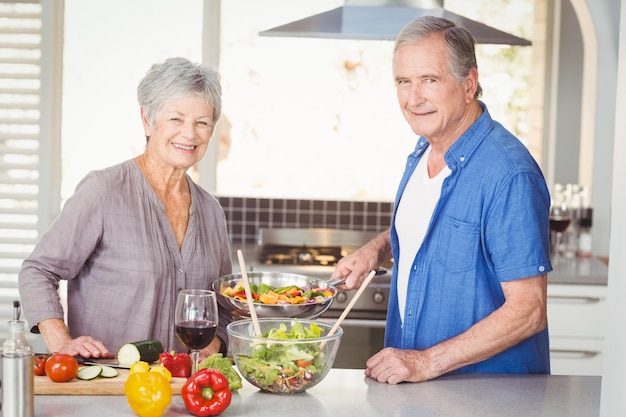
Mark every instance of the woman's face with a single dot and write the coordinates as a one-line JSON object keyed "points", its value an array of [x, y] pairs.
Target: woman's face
{"points": [[181, 132]]}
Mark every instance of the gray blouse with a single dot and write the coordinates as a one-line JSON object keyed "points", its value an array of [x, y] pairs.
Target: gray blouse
{"points": [[115, 246]]}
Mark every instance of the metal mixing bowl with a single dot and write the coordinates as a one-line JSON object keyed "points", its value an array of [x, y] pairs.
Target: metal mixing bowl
{"points": [[239, 308]]}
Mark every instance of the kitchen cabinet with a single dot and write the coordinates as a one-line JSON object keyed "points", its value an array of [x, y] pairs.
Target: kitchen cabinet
{"points": [[576, 322]]}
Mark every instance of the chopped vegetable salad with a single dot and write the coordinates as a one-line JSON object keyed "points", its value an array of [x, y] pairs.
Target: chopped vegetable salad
{"points": [[285, 367], [266, 294]]}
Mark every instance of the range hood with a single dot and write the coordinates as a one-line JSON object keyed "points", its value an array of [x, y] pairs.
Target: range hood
{"points": [[383, 20]]}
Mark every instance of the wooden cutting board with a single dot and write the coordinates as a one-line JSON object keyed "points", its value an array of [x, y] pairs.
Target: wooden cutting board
{"points": [[98, 386]]}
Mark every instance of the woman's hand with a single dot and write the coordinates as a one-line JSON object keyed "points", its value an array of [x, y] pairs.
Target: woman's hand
{"points": [[57, 337], [87, 347]]}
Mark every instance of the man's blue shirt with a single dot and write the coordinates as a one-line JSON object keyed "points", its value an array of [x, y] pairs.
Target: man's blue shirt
{"points": [[490, 226]]}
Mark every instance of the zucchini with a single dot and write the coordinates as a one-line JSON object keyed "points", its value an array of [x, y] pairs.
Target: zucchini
{"points": [[108, 371], [144, 350], [89, 372]]}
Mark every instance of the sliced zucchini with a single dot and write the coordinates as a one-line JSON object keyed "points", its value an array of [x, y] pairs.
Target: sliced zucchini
{"points": [[89, 372], [144, 350], [108, 371]]}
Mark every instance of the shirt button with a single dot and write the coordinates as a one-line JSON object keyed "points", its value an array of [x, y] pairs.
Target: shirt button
{"points": [[462, 159], [542, 268], [179, 271]]}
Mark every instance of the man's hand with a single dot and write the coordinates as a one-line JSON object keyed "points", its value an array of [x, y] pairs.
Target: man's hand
{"points": [[356, 266], [393, 366]]}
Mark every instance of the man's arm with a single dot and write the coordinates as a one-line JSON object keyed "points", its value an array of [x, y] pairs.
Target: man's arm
{"points": [[523, 314]]}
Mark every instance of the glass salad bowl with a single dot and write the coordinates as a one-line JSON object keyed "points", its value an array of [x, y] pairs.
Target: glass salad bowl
{"points": [[291, 356]]}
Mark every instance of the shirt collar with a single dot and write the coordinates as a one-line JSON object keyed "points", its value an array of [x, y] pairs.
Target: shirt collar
{"points": [[463, 148]]}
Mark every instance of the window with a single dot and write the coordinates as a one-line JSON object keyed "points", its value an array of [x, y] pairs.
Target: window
{"points": [[318, 118], [29, 118]]}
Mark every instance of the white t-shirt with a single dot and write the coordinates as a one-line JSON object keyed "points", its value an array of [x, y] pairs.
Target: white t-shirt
{"points": [[415, 210]]}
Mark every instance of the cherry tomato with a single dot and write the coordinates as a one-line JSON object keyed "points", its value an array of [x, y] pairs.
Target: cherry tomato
{"points": [[61, 367]]}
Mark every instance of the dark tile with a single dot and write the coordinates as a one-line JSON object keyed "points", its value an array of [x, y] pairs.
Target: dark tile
{"points": [[277, 218], [236, 215], [292, 204], [251, 203], [237, 202], [305, 220], [236, 229], [264, 217], [318, 205]]}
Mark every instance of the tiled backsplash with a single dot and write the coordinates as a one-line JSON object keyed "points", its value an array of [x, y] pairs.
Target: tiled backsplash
{"points": [[246, 215]]}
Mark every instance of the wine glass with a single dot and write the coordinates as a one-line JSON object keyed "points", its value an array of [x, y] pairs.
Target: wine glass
{"points": [[196, 320], [559, 222]]}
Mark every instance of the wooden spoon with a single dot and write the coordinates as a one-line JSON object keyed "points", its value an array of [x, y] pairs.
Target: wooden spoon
{"points": [[246, 286], [350, 305]]}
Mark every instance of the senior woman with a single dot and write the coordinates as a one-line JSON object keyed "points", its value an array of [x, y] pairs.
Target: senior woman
{"points": [[134, 234]]}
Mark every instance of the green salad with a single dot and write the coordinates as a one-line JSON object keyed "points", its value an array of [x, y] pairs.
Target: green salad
{"points": [[285, 367]]}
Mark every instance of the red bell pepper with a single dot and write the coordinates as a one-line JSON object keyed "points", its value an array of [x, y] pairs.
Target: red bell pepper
{"points": [[179, 364], [39, 364], [206, 393]]}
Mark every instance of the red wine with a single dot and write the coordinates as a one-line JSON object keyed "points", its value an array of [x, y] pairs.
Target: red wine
{"points": [[559, 224], [196, 334]]}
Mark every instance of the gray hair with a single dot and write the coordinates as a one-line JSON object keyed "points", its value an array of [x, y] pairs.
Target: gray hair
{"points": [[177, 78], [458, 41]]}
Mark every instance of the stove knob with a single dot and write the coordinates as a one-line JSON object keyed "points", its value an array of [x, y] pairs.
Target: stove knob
{"points": [[342, 297], [379, 297]]}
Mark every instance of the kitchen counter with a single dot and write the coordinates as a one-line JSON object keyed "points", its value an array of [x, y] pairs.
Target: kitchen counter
{"points": [[346, 392], [578, 271]]}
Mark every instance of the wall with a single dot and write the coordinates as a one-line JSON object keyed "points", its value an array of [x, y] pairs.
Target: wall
{"points": [[614, 376], [245, 216], [570, 106], [570, 61], [606, 15]]}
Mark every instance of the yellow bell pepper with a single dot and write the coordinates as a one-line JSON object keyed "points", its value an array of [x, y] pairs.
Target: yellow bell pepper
{"points": [[148, 393], [139, 366], [162, 370]]}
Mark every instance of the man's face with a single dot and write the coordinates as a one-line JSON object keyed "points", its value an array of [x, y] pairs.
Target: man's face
{"points": [[432, 102]]}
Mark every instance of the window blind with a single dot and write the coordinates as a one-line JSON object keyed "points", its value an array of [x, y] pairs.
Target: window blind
{"points": [[30, 81]]}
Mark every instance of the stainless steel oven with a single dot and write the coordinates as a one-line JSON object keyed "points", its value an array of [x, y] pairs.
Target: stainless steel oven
{"points": [[315, 252]]}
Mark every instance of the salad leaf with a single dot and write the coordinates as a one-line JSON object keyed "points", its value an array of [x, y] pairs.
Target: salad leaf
{"points": [[298, 331]]}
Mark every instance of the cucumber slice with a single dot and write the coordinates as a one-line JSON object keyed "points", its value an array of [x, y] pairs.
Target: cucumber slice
{"points": [[89, 372], [108, 371], [144, 350]]}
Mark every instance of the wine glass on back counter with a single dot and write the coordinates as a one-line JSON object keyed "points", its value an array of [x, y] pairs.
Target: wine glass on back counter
{"points": [[559, 222], [196, 321]]}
